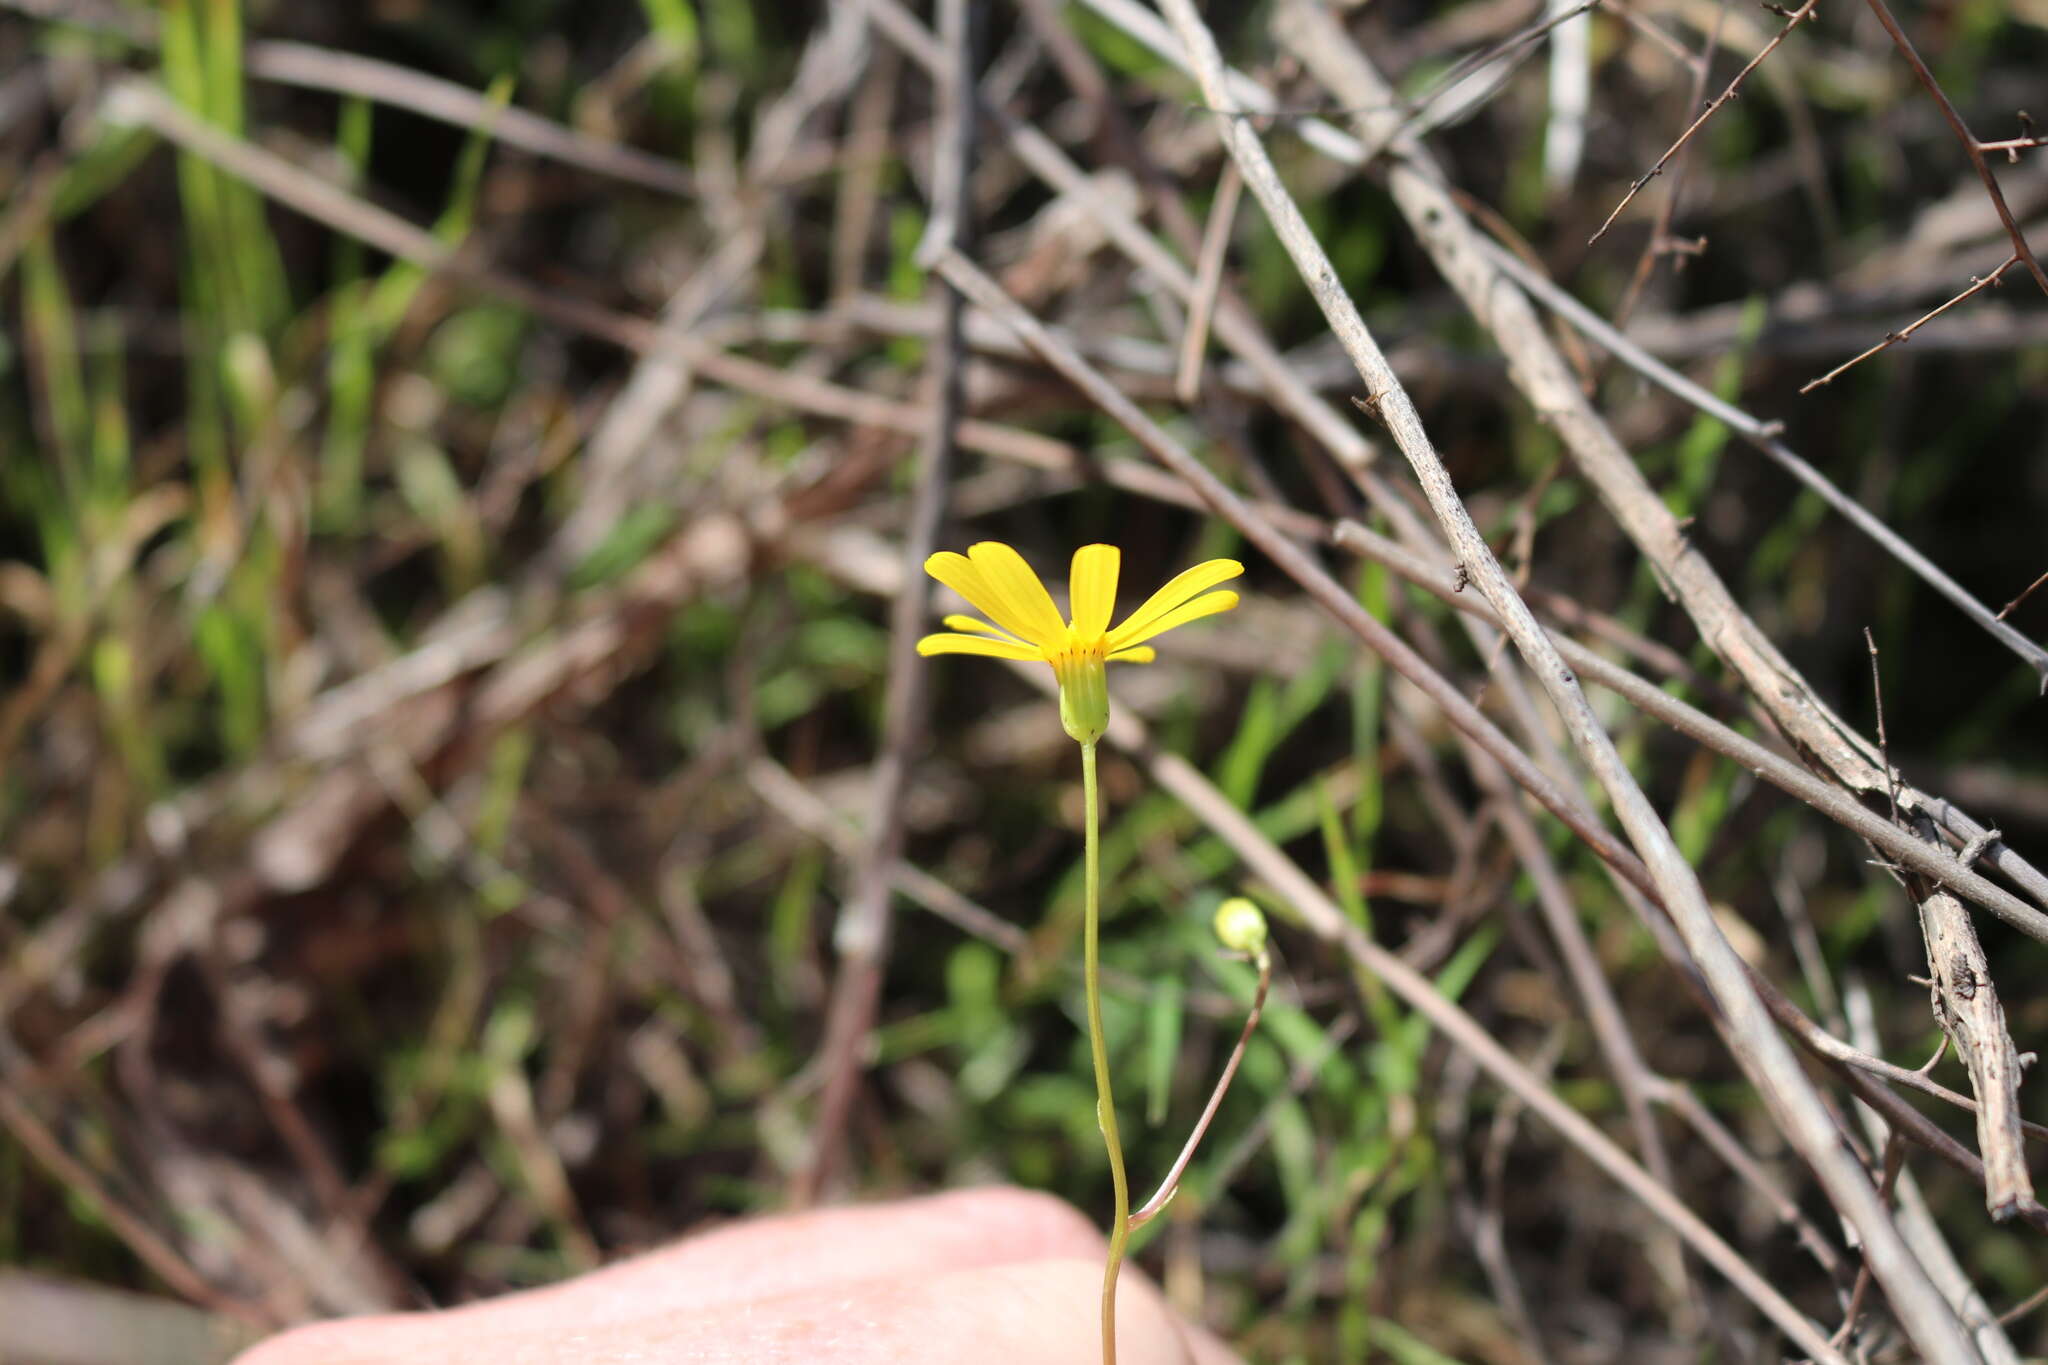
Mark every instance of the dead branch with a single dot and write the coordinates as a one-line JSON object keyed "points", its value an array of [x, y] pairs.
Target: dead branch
{"points": [[1793, 19]]}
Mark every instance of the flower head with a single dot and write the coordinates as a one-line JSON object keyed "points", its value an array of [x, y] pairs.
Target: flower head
{"points": [[997, 582]]}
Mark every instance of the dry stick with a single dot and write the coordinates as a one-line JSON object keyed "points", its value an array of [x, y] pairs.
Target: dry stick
{"points": [[1788, 776], [345, 73], [2013, 146], [1966, 1005], [1918, 1222], [802, 807], [1978, 283], [1764, 436], [1971, 147], [862, 935], [1792, 21], [1891, 777], [1763, 1054], [1667, 208], [2024, 1306], [1187, 384], [1324, 917], [1509, 52]]}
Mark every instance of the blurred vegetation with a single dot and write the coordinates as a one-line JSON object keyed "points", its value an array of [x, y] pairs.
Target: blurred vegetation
{"points": [[518, 991]]}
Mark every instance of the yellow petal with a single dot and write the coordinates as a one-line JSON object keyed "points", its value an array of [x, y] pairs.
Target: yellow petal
{"points": [[1183, 585], [1136, 654], [1091, 589], [974, 627], [957, 573], [975, 644], [1016, 600], [1206, 605]]}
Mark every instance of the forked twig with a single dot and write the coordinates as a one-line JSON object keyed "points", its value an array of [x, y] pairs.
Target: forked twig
{"points": [[1971, 146], [1792, 21]]}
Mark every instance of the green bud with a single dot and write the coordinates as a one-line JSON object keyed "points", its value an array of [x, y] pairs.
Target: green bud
{"points": [[1084, 695], [1241, 926]]}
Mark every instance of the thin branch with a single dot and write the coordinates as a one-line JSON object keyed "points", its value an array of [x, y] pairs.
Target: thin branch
{"points": [[1978, 283], [1883, 747], [345, 73], [1508, 54], [1660, 242], [1764, 436], [1187, 384], [2009, 607], [1971, 147], [2013, 146], [1792, 21]]}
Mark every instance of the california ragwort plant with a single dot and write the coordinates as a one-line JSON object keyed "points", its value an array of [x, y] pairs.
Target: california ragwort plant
{"points": [[995, 580]]}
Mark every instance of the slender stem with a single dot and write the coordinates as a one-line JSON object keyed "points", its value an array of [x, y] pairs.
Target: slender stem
{"points": [[1105, 1103], [1158, 1202]]}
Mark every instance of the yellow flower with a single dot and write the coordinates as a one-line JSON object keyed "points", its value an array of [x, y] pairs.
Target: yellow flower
{"points": [[996, 581]]}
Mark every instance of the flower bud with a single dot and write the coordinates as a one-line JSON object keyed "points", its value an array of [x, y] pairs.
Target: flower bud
{"points": [[1241, 926]]}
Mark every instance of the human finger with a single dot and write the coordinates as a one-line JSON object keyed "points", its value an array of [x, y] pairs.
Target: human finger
{"points": [[1020, 1313], [763, 1258]]}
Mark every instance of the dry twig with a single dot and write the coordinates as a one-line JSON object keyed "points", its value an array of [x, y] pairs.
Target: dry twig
{"points": [[1793, 19]]}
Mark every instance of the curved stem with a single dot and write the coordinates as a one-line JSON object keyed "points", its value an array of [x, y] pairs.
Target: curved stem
{"points": [[1156, 1205], [1105, 1104]]}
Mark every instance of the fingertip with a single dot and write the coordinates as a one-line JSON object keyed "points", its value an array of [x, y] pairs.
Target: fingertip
{"points": [[1027, 1225]]}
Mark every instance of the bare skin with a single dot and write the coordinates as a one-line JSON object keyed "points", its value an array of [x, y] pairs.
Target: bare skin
{"points": [[979, 1276]]}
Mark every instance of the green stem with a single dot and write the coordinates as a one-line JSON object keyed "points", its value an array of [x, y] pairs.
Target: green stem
{"points": [[1105, 1104]]}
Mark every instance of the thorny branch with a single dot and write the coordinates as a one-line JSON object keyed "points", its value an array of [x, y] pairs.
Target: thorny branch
{"points": [[1793, 19]]}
